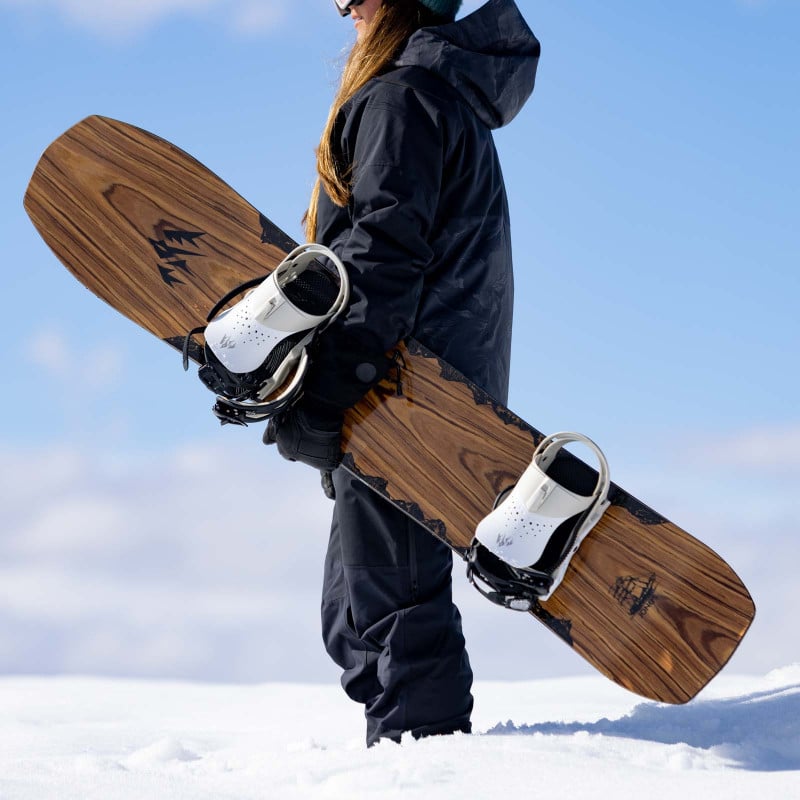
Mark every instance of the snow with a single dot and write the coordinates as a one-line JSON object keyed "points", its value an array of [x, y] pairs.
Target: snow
{"points": [[66, 737]]}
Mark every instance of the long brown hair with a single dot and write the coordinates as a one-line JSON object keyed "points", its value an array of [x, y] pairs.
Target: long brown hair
{"points": [[393, 23]]}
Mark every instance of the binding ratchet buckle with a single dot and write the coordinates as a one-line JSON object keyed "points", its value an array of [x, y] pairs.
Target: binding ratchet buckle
{"points": [[521, 551]]}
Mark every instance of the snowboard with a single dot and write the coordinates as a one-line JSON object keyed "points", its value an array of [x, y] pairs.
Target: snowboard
{"points": [[154, 233]]}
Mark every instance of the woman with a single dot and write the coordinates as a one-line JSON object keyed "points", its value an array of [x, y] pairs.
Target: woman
{"points": [[410, 196]]}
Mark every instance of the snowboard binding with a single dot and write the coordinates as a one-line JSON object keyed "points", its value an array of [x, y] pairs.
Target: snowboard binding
{"points": [[522, 549], [256, 352]]}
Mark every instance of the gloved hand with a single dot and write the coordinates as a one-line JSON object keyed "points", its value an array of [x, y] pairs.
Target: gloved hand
{"points": [[326, 479], [309, 434]]}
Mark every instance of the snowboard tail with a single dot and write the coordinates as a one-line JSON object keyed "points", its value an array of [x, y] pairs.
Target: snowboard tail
{"points": [[155, 234]]}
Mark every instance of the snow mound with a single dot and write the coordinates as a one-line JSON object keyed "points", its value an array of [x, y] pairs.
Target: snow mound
{"points": [[756, 731], [161, 752]]}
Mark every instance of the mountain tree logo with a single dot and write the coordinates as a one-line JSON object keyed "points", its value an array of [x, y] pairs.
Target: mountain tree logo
{"points": [[636, 594], [173, 255]]}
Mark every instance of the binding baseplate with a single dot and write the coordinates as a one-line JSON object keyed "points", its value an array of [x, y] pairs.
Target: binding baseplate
{"points": [[521, 551]]}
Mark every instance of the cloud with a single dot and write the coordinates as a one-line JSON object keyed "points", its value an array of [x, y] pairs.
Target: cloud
{"points": [[48, 349], [254, 18], [205, 562], [92, 368], [190, 512], [774, 447], [130, 17], [125, 18], [70, 525]]}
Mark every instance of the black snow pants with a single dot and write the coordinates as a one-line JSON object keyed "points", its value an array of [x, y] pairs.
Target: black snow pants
{"points": [[388, 618]]}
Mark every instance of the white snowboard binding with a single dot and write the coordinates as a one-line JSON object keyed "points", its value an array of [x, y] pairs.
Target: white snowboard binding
{"points": [[521, 550], [256, 351]]}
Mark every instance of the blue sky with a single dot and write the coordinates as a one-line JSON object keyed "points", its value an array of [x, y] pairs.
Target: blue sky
{"points": [[653, 183]]}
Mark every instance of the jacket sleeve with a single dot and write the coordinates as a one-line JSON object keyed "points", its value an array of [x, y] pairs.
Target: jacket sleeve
{"points": [[395, 145]]}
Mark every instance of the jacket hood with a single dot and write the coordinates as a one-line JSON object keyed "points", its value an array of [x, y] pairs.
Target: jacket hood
{"points": [[489, 57]]}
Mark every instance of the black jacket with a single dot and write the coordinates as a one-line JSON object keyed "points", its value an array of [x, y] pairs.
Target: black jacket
{"points": [[426, 235]]}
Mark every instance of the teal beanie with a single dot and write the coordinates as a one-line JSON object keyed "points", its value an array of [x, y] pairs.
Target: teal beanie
{"points": [[444, 8]]}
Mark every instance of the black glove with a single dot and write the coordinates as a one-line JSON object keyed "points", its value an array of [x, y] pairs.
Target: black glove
{"points": [[326, 478], [309, 434]]}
